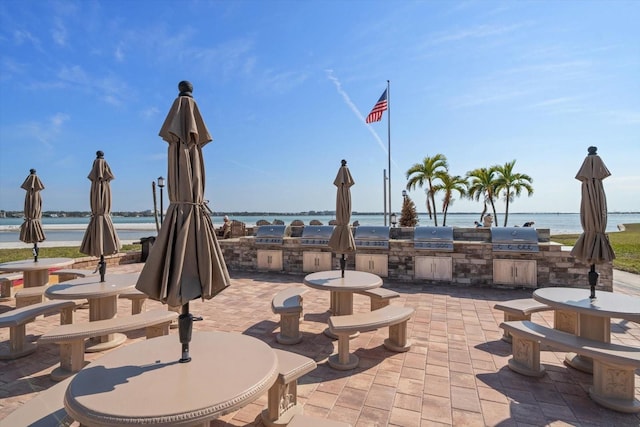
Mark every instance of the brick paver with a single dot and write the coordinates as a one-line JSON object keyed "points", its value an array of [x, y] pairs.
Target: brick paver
{"points": [[455, 373]]}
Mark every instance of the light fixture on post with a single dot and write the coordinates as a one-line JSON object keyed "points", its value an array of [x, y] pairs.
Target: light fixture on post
{"points": [[161, 185], [393, 220]]}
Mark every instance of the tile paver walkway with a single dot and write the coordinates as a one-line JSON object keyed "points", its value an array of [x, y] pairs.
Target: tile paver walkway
{"points": [[454, 374]]}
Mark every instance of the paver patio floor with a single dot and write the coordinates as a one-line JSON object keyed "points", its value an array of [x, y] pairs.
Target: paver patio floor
{"points": [[455, 373]]}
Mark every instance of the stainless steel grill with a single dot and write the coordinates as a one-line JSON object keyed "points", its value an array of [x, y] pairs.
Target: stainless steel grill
{"points": [[316, 235], [372, 236], [514, 239], [270, 234], [433, 238]]}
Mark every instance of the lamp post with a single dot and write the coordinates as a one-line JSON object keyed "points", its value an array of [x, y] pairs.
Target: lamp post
{"points": [[393, 220], [161, 185]]}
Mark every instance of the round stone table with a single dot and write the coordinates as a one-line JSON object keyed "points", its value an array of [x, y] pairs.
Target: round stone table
{"points": [[35, 273], [592, 316], [342, 288], [144, 384], [103, 301]]}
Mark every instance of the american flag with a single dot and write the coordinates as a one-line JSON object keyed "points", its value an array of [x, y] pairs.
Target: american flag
{"points": [[376, 113]]}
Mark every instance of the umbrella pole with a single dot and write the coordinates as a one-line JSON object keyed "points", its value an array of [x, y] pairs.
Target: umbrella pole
{"points": [[185, 325], [102, 268], [35, 252], [342, 264], [593, 280]]}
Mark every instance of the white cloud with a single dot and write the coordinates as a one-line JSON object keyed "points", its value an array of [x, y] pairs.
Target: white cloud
{"points": [[480, 31], [59, 33], [21, 37]]}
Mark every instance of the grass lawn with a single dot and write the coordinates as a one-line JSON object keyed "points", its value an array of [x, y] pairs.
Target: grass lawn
{"points": [[7, 255], [626, 245]]}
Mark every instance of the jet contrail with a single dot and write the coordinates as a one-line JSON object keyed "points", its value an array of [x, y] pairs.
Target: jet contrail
{"points": [[353, 107]]}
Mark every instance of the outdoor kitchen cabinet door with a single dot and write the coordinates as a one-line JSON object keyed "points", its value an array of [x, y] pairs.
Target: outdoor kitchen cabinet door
{"points": [[316, 261], [376, 264], [269, 260], [515, 272], [438, 268]]}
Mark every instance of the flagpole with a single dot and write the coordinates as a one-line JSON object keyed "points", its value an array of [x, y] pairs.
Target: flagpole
{"points": [[384, 194], [389, 140]]}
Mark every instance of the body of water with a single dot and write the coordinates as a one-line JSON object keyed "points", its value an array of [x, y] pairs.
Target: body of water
{"points": [[132, 229]]}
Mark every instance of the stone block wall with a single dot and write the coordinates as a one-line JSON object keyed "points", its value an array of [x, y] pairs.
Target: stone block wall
{"points": [[472, 259]]}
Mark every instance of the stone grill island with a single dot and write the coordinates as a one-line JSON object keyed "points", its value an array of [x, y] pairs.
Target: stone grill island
{"points": [[517, 257]]}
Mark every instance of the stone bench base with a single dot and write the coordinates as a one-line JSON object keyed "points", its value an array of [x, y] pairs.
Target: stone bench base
{"points": [[613, 365], [288, 304], [395, 317]]}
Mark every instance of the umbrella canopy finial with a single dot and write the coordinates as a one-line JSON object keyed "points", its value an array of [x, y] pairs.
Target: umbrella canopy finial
{"points": [[592, 150], [32, 171], [186, 88], [343, 162], [99, 154]]}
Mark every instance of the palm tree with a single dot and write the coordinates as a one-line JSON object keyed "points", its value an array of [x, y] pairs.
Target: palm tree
{"points": [[424, 173], [482, 183], [448, 184], [511, 185]]}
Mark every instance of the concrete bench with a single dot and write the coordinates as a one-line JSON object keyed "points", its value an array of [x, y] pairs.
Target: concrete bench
{"points": [[613, 365], [522, 309], [71, 337], [6, 284], [46, 409], [393, 316], [137, 299], [29, 296], [307, 421], [16, 320], [519, 309], [380, 297], [288, 304], [70, 274], [282, 400]]}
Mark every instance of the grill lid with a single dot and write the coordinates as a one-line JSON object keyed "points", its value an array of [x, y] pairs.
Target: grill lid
{"points": [[270, 234], [316, 234], [514, 239], [434, 238], [372, 236]]}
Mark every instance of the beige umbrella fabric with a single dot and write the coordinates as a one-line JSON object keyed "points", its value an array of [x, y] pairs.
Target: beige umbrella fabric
{"points": [[593, 245], [342, 240], [186, 261], [31, 229], [100, 238]]}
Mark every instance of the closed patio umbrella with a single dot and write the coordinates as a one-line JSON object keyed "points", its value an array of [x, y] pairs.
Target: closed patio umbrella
{"points": [[593, 245], [186, 261], [100, 238], [341, 240], [31, 229]]}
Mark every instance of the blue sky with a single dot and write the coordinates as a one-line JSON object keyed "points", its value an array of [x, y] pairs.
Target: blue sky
{"points": [[284, 87]]}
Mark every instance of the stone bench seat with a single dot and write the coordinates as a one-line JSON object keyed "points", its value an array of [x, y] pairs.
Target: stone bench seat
{"points": [[519, 309], [16, 320], [29, 296], [395, 317], [288, 304], [282, 400], [46, 409], [380, 297], [71, 337], [137, 299], [6, 284], [614, 365]]}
